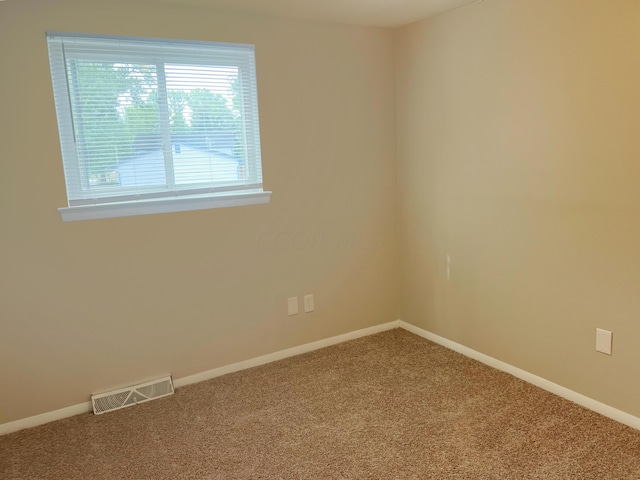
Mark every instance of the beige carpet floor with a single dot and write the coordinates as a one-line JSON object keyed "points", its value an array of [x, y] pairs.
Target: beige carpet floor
{"points": [[389, 406]]}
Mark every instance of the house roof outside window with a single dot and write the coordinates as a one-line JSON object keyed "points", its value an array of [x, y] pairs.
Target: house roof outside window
{"points": [[196, 158]]}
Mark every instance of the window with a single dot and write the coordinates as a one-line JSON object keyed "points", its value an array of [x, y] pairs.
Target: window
{"points": [[151, 126]]}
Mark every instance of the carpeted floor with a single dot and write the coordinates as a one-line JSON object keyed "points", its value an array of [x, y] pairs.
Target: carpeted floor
{"points": [[388, 406]]}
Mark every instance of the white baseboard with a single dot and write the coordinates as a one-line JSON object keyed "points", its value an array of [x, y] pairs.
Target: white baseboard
{"points": [[272, 357], [43, 418], [563, 392], [554, 388], [86, 407]]}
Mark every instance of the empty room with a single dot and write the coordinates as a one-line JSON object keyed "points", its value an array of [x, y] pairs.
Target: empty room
{"points": [[306, 239]]}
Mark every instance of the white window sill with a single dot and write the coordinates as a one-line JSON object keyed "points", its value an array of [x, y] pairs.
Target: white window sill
{"points": [[147, 207]]}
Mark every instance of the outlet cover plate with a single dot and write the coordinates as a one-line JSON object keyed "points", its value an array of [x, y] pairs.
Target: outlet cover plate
{"points": [[603, 341], [309, 303], [292, 305]]}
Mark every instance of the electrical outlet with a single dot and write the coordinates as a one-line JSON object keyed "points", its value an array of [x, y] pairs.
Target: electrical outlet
{"points": [[309, 304], [292, 304], [603, 341]]}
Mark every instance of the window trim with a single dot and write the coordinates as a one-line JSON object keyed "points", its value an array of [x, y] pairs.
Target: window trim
{"points": [[171, 205], [173, 200]]}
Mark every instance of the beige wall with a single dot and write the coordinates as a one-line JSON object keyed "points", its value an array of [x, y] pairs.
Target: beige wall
{"points": [[517, 144], [519, 156], [94, 305]]}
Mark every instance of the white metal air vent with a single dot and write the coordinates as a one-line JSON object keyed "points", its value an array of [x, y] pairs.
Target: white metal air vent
{"points": [[126, 397]]}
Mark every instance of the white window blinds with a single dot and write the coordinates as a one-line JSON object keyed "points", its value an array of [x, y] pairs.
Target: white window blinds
{"points": [[141, 120]]}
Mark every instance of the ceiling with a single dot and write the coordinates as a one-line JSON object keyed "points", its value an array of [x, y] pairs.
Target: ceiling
{"points": [[380, 13]]}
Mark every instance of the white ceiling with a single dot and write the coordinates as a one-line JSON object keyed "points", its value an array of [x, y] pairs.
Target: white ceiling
{"points": [[381, 13]]}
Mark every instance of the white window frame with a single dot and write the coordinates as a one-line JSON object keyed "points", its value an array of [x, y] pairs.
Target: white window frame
{"points": [[86, 202]]}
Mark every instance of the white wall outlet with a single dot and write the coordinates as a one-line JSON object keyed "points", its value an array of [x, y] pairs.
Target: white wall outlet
{"points": [[603, 341], [292, 304], [309, 303]]}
